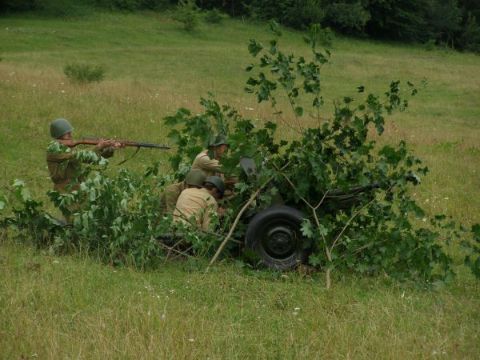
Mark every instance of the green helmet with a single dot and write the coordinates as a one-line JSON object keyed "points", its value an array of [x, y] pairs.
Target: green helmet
{"points": [[195, 177], [217, 182], [60, 127], [220, 139]]}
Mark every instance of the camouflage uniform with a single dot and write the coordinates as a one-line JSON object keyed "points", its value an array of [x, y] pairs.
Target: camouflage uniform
{"points": [[196, 205], [209, 166]]}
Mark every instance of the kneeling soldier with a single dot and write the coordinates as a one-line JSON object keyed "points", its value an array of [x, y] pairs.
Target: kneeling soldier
{"points": [[196, 205], [170, 196]]}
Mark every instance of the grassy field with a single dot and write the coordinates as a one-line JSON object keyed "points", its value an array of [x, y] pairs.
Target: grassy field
{"points": [[69, 307]]}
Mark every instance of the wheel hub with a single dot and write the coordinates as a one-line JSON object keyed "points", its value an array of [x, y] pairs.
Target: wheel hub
{"points": [[280, 242]]}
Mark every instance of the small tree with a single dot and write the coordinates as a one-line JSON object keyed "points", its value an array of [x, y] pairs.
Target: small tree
{"points": [[187, 14]]}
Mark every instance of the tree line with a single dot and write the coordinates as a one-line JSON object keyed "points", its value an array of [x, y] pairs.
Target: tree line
{"points": [[452, 23]]}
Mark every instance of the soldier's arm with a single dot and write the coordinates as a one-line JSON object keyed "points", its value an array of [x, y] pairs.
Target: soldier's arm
{"points": [[209, 211], [209, 165], [106, 152]]}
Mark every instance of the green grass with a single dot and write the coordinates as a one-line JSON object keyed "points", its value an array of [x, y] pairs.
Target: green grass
{"points": [[74, 308], [62, 307]]}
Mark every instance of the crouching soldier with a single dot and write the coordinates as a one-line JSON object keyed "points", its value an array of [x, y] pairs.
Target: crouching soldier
{"points": [[197, 205], [170, 196]]}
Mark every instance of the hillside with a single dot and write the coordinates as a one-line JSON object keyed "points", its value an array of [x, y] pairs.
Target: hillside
{"points": [[51, 306]]}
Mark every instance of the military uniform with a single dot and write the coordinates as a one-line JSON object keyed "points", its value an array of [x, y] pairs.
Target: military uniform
{"points": [[196, 207], [209, 166], [65, 165], [170, 196]]}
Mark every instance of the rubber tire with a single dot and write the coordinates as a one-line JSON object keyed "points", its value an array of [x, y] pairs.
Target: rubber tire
{"points": [[279, 220]]}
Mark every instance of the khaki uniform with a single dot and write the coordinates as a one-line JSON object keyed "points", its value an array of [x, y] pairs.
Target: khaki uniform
{"points": [[196, 205], [209, 166], [65, 167], [170, 196]]}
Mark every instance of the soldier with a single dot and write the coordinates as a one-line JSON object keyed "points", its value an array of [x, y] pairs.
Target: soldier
{"points": [[65, 164], [209, 160], [215, 186], [195, 177], [197, 204]]}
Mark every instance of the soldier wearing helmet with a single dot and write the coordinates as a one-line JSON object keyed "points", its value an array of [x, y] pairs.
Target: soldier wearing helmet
{"points": [[216, 186], [196, 204], [64, 163], [209, 160], [170, 196]]}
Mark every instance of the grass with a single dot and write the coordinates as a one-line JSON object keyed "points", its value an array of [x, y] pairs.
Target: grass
{"points": [[71, 307], [74, 308]]}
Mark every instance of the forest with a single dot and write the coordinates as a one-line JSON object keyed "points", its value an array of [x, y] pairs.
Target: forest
{"points": [[449, 23]]}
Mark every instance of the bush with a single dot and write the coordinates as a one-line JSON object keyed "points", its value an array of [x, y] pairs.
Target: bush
{"points": [[214, 16], [297, 14], [301, 14], [187, 14], [84, 73], [348, 18]]}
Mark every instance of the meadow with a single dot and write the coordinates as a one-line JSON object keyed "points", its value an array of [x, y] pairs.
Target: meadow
{"points": [[73, 307]]}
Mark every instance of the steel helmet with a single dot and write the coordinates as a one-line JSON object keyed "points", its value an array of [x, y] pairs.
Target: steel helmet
{"points": [[195, 177], [220, 139], [60, 127], [217, 182]]}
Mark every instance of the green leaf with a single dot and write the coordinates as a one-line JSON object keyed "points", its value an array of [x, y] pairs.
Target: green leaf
{"points": [[322, 230], [476, 232], [306, 229], [254, 47]]}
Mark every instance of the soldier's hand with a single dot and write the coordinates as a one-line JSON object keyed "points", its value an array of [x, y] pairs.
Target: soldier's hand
{"points": [[117, 144], [102, 144], [221, 211]]}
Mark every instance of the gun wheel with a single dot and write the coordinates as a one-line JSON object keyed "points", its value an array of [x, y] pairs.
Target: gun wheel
{"points": [[275, 235]]}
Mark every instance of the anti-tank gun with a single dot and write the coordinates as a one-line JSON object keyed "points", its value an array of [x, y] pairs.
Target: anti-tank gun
{"points": [[274, 231]]}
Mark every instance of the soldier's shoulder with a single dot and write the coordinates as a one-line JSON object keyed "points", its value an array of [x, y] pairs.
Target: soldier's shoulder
{"points": [[202, 154], [175, 187], [55, 147]]}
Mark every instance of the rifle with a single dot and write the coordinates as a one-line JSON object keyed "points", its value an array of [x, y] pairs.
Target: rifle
{"points": [[88, 141]]}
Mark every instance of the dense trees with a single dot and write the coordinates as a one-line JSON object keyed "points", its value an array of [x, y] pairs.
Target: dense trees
{"points": [[452, 23]]}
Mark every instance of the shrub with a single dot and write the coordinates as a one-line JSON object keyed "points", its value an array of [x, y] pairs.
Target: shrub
{"points": [[214, 16], [430, 45], [84, 73], [348, 18], [297, 14], [187, 14]]}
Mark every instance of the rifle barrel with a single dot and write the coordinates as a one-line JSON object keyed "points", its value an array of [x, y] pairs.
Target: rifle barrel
{"points": [[145, 145]]}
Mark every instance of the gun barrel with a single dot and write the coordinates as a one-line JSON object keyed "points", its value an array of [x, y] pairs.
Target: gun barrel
{"points": [[146, 145]]}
